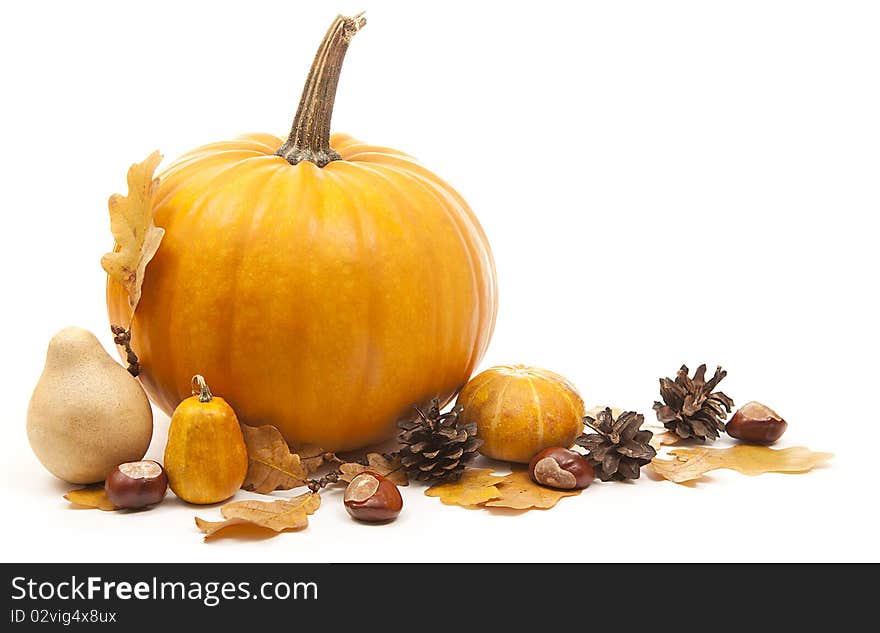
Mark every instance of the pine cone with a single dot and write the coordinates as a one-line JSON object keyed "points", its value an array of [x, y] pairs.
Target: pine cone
{"points": [[618, 449], [689, 407], [435, 447]]}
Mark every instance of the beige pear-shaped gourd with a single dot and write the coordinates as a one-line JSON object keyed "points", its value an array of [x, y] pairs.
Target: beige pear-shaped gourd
{"points": [[87, 414]]}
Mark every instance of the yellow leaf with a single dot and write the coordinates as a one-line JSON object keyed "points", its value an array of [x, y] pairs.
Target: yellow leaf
{"points": [[476, 486], [391, 468], [519, 492], [691, 463], [91, 497], [480, 487], [271, 465], [131, 222], [284, 514]]}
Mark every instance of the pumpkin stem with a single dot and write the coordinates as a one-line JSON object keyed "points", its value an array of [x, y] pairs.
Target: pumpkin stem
{"points": [[309, 138], [200, 389]]}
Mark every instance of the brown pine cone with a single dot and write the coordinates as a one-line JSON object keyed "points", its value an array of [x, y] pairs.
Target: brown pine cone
{"points": [[435, 447], [690, 408], [619, 448]]}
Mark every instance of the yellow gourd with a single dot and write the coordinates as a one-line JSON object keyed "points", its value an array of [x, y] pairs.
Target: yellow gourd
{"points": [[519, 411], [205, 457]]}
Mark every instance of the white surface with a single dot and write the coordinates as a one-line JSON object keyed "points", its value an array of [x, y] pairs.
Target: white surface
{"points": [[661, 183]]}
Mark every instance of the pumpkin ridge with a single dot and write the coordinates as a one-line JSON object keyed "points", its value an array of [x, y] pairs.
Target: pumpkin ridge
{"points": [[173, 174], [179, 305], [366, 360], [304, 186], [493, 428], [341, 142], [166, 327], [410, 168], [539, 412], [568, 397], [448, 343], [219, 149], [485, 380], [261, 207], [195, 160], [263, 141], [360, 152], [411, 219], [442, 198], [488, 269], [552, 375], [410, 211]]}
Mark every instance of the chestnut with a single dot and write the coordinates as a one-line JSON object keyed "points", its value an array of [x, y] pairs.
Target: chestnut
{"points": [[136, 485], [757, 424], [372, 497], [561, 468]]}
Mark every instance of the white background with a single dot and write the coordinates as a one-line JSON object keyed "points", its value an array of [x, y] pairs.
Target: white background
{"points": [[661, 182]]}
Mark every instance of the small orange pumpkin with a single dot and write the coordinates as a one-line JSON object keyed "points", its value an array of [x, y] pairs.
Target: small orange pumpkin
{"points": [[519, 411], [325, 285], [206, 458]]}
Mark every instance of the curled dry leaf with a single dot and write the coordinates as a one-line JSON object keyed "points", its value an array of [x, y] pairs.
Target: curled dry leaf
{"points": [[271, 465], [689, 464], [391, 468], [91, 497], [480, 487], [131, 222], [476, 487], [661, 436], [281, 515]]}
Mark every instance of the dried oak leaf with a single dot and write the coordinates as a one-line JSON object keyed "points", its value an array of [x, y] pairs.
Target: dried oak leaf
{"points": [[661, 436], [390, 467], [480, 487], [313, 456], [284, 514], [519, 492], [91, 497], [271, 465], [689, 464], [131, 222], [476, 487]]}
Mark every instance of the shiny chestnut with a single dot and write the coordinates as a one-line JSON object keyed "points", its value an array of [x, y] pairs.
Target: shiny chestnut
{"points": [[136, 485], [373, 498], [756, 423], [561, 468]]}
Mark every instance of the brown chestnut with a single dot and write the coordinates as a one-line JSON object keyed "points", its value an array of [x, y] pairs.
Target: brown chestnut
{"points": [[136, 485], [372, 497], [561, 468], [757, 424]]}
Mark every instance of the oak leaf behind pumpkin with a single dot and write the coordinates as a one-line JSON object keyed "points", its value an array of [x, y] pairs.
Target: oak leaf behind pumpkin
{"points": [[131, 222]]}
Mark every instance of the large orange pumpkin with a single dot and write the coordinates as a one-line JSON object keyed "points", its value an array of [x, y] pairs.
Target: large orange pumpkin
{"points": [[323, 285]]}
